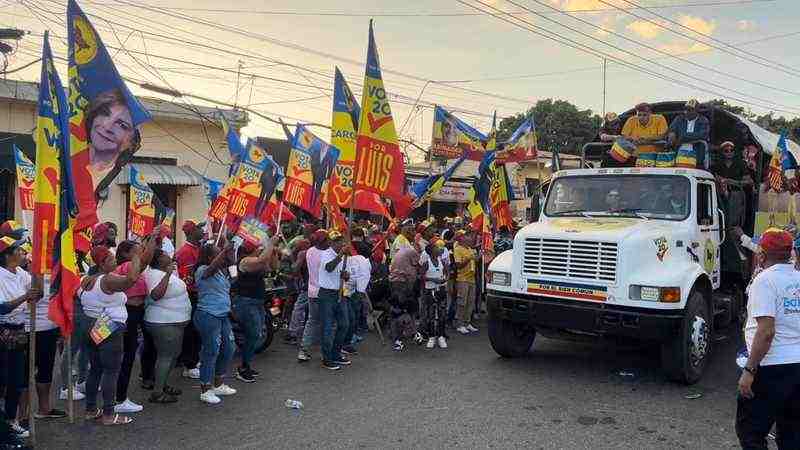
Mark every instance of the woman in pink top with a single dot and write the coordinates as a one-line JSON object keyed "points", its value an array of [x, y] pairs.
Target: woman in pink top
{"points": [[135, 305]]}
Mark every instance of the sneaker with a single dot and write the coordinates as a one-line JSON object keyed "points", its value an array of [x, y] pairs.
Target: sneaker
{"points": [[52, 414], [210, 397], [343, 361], [243, 374], [471, 328], [222, 390], [349, 350], [20, 431], [431, 342], [398, 346], [193, 374], [330, 366], [462, 329], [128, 407], [418, 339], [303, 356], [76, 394], [442, 342]]}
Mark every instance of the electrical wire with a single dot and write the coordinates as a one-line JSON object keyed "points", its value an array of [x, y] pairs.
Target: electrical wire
{"points": [[543, 32]]}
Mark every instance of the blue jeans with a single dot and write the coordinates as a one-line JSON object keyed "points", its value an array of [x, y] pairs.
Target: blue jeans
{"points": [[332, 311], [312, 329], [250, 314], [217, 347], [299, 315], [350, 304]]}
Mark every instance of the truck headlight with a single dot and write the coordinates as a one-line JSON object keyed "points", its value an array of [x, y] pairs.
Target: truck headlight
{"points": [[500, 278], [655, 294]]}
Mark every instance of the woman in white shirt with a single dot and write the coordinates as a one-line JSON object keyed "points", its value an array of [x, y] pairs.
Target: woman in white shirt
{"points": [[434, 294], [165, 319], [103, 297], [15, 292]]}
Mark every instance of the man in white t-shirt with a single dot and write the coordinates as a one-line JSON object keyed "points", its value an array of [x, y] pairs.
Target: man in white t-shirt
{"points": [[769, 387], [331, 307]]}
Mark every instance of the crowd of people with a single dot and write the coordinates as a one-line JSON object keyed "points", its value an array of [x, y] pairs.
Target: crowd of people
{"points": [[174, 309]]}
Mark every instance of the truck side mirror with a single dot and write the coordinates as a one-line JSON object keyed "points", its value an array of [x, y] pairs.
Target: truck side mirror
{"points": [[721, 225]]}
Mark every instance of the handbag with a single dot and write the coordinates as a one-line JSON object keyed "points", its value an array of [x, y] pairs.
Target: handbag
{"points": [[13, 338], [103, 328]]}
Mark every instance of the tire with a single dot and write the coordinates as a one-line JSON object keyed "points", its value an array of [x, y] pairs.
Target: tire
{"points": [[266, 337], [685, 357], [510, 340]]}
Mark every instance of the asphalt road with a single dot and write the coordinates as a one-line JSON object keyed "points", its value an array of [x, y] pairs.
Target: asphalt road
{"points": [[564, 395]]}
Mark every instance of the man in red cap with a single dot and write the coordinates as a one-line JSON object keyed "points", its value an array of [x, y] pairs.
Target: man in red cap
{"points": [[769, 387], [186, 258]]}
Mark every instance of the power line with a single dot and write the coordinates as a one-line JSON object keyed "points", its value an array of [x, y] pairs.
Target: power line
{"points": [[429, 14], [667, 54], [772, 64], [543, 32]]}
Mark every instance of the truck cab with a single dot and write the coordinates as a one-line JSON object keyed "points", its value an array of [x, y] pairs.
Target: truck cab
{"points": [[631, 253]]}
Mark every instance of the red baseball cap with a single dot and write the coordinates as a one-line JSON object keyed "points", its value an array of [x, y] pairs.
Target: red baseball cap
{"points": [[776, 241], [190, 225]]}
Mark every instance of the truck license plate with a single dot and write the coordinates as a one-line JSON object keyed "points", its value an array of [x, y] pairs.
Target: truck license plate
{"points": [[568, 290]]}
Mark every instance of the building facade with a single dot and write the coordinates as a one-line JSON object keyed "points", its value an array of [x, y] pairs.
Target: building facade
{"points": [[180, 146]]}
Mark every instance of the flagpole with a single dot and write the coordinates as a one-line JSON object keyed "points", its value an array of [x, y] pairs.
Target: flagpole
{"points": [[430, 174], [43, 282], [70, 386]]}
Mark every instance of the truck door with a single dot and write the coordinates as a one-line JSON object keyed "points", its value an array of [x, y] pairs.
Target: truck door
{"points": [[710, 226]]}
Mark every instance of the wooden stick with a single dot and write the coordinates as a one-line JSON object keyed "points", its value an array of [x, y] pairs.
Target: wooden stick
{"points": [[44, 283], [70, 384]]}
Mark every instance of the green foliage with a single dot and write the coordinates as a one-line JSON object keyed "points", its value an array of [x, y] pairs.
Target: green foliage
{"points": [[559, 124], [767, 121]]}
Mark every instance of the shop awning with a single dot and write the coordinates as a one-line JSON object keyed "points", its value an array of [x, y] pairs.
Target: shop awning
{"points": [[162, 174]]}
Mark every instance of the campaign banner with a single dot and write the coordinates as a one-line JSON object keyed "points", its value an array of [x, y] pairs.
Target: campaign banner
{"points": [[454, 138], [379, 163], [104, 117], [142, 213], [254, 185], [26, 176], [346, 114], [311, 164], [253, 231], [51, 145], [212, 189], [521, 146]]}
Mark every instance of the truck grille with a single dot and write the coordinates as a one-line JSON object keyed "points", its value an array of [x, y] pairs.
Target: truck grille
{"points": [[584, 260]]}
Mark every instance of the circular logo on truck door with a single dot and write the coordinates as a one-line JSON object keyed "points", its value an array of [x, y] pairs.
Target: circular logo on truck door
{"points": [[709, 256]]}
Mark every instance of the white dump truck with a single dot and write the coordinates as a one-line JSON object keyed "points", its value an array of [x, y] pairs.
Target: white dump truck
{"points": [[618, 252]]}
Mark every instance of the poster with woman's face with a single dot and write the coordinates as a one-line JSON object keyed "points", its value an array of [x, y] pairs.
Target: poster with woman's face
{"points": [[111, 134]]}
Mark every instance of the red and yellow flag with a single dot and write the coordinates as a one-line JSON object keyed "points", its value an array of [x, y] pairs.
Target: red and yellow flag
{"points": [[379, 163], [26, 176]]}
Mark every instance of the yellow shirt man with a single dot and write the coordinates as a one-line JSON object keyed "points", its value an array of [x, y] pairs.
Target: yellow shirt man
{"points": [[461, 254], [655, 127]]}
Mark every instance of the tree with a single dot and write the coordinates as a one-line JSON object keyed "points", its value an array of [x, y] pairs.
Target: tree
{"points": [[560, 125], [767, 121]]}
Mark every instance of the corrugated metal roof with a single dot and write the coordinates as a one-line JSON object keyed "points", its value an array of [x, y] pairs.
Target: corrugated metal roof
{"points": [[162, 174]]}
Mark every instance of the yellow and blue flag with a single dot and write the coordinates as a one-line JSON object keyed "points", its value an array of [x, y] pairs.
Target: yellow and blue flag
{"points": [[104, 115], [26, 177], [141, 209], [425, 189], [454, 138], [379, 163], [311, 164], [344, 125]]}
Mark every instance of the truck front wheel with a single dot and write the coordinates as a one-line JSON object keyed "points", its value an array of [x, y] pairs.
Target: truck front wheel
{"points": [[684, 358], [510, 339]]}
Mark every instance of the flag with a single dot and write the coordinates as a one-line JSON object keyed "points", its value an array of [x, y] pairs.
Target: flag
{"points": [[50, 141], [454, 138], [55, 207], [212, 190], [26, 176], [346, 113], [775, 173], [142, 213], [254, 183], [379, 163], [338, 220], [501, 195], [522, 145], [104, 116], [311, 163], [788, 163], [425, 189], [276, 209], [479, 206]]}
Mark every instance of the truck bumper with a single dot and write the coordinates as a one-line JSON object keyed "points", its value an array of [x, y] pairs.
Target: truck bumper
{"points": [[587, 317]]}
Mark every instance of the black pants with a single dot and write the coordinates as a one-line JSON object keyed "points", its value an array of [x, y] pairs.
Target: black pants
{"points": [[434, 307], [12, 378], [105, 361], [46, 344], [776, 401], [130, 344], [190, 350]]}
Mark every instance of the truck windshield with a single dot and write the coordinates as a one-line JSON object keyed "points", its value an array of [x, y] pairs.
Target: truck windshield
{"points": [[651, 196]]}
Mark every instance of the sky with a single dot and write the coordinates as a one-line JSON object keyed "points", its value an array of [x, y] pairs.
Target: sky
{"points": [[463, 54]]}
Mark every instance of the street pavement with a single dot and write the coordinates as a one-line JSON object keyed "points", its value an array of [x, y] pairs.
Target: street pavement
{"points": [[564, 395]]}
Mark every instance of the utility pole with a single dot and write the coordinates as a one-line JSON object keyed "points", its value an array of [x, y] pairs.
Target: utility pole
{"points": [[605, 64], [238, 76]]}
